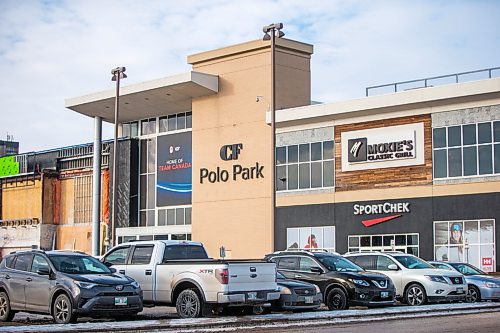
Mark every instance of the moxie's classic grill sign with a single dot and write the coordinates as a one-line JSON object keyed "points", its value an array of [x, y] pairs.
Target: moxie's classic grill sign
{"points": [[361, 151]]}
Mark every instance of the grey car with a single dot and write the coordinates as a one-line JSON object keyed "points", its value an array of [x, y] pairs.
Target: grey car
{"points": [[65, 285], [481, 285]]}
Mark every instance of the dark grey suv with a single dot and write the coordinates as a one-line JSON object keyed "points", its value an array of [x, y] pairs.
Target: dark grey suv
{"points": [[65, 285]]}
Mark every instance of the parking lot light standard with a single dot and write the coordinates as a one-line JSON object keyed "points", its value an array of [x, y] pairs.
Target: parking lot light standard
{"points": [[270, 33], [118, 73]]}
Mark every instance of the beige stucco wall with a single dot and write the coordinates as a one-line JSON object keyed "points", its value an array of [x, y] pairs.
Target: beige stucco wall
{"points": [[67, 201], [237, 213], [74, 237]]}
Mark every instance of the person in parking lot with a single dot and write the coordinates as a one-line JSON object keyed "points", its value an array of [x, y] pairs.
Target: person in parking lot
{"points": [[311, 242]]}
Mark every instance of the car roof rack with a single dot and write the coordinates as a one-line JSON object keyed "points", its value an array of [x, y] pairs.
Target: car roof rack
{"points": [[69, 250], [306, 251]]}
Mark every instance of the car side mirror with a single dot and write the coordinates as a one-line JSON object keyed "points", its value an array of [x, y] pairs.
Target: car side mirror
{"points": [[43, 271], [107, 263], [113, 270], [316, 270], [393, 267]]}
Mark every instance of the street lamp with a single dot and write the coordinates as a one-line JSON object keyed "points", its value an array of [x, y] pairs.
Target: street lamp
{"points": [[270, 33], [118, 74]]}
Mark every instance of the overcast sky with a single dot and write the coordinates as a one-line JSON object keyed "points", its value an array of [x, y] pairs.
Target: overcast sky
{"points": [[54, 50]]}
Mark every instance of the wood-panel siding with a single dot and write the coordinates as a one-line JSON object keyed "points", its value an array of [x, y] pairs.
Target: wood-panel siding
{"points": [[386, 177]]}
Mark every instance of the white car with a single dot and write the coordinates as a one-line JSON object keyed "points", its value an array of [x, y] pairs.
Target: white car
{"points": [[416, 281]]}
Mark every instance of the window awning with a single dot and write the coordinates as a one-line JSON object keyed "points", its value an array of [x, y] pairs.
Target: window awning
{"points": [[149, 99]]}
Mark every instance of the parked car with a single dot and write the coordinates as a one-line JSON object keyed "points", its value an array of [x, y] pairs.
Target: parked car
{"points": [[481, 286], [180, 274], [294, 295], [416, 281], [65, 285], [341, 282]]}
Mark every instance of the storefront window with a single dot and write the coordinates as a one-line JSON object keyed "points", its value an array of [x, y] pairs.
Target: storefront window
{"points": [[305, 166], [466, 150], [470, 241], [407, 243], [311, 238]]}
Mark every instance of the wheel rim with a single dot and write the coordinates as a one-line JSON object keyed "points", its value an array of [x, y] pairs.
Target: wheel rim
{"points": [[415, 296], [337, 301], [189, 306], [62, 310], [471, 295], [3, 307]]}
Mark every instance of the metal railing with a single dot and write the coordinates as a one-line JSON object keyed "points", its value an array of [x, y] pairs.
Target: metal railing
{"points": [[433, 81]]}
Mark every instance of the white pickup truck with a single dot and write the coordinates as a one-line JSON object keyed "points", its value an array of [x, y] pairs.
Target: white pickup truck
{"points": [[180, 273]]}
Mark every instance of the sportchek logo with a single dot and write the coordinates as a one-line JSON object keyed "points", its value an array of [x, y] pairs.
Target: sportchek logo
{"points": [[384, 208]]}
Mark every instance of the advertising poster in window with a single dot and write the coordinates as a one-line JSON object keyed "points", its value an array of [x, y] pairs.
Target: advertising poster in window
{"points": [[174, 180]]}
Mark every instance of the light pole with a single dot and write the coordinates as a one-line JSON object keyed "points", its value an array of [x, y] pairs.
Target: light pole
{"points": [[270, 33], [118, 73]]}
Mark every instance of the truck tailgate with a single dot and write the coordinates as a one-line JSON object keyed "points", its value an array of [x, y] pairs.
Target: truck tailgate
{"points": [[251, 276]]}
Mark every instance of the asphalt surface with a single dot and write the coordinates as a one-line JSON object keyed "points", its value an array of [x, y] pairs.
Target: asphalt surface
{"points": [[162, 320]]}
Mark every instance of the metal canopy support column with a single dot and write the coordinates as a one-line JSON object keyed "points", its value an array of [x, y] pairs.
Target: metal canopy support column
{"points": [[96, 186]]}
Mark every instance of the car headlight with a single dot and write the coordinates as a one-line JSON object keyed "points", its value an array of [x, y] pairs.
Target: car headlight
{"points": [[284, 290], [436, 278], [489, 284], [317, 289], [135, 284], [360, 282], [84, 285]]}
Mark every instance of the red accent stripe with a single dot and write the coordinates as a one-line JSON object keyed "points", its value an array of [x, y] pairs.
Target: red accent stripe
{"points": [[369, 223]]}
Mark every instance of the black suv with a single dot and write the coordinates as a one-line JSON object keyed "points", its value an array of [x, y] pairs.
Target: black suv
{"points": [[65, 285], [342, 282]]}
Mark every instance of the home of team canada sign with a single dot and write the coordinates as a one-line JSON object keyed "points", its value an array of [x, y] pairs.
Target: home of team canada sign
{"points": [[238, 171]]}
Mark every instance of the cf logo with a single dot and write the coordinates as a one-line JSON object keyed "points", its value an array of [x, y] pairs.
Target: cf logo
{"points": [[230, 152]]}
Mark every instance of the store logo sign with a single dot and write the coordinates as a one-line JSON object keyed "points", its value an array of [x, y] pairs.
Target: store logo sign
{"points": [[383, 147], [237, 172], [383, 208]]}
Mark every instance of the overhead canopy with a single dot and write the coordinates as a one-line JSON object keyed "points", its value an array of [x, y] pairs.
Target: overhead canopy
{"points": [[149, 99]]}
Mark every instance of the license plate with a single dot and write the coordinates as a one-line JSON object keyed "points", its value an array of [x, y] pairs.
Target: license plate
{"points": [[121, 301], [252, 295], [384, 294], [309, 299], [460, 290]]}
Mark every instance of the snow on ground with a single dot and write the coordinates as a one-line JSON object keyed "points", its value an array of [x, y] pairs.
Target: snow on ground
{"points": [[272, 320]]}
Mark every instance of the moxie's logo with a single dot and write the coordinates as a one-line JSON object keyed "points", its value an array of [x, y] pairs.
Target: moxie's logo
{"points": [[357, 150]]}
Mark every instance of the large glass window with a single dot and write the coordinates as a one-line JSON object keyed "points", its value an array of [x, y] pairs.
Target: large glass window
{"points": [[471, 241], [408, 243], [147, 182], [466, 150], [311, 238], [305, 166]]}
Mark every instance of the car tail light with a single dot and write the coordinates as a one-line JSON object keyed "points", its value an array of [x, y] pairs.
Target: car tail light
{"points": [[222, 275]]}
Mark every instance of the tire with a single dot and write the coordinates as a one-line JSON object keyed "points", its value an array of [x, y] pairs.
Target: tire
{"points": [[473, 294], [415, 295], [337, 300], [188, 304], [62, 310], [6, 313]]}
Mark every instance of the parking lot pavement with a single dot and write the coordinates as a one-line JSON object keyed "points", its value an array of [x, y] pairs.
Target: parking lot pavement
{"points": [[163, 318]]}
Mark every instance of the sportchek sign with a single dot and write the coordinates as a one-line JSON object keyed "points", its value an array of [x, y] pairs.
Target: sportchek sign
{"points": [[394, 209], [383, 147]]}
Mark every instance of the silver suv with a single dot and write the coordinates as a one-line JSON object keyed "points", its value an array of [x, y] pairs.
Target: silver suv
{"points": [[416, 281], [65, 285]]}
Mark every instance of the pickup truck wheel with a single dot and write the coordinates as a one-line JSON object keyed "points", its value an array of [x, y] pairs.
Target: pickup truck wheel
{"points": [[6, 313], [188, 304], [337, 300]]}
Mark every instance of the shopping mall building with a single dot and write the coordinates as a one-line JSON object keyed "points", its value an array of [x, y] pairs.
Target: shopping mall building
{"points": [[414, 170]]}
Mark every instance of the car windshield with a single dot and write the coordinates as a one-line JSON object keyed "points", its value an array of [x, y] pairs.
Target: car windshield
{"points": [[412, 262], [339, 264], [78, 264], [467, 269]]}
